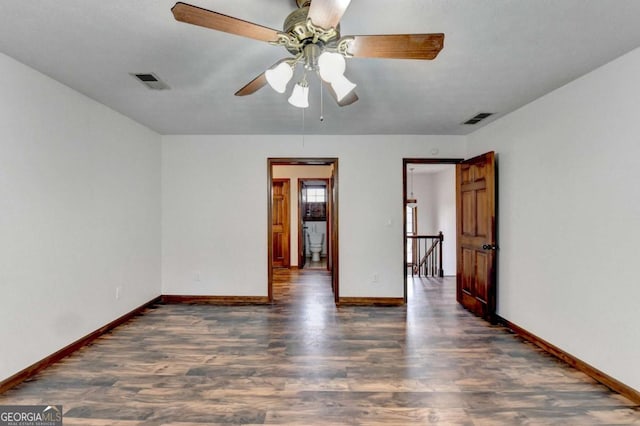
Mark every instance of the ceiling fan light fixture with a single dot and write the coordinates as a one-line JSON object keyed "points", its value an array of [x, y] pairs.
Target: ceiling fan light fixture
{"points": [[411, 200], [300, 95], [279, 76], [315, 26], [342, 86], [331, 66]]}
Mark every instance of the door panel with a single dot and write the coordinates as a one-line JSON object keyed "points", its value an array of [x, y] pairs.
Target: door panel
{"points": [[468, 218], [482, 222], [280, 223], [468, 271], [475, 194], [481, 276]]}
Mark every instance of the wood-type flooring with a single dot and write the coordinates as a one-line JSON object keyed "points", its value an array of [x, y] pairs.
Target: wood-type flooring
{"points": [[302, 361]]}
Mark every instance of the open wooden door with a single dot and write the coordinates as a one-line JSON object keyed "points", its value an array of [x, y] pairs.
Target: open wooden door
{"points": [[476, 231], [302, 228], [280, 223]]}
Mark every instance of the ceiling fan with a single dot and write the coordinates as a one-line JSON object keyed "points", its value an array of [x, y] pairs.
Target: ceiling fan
{"points": [[312, 35]]}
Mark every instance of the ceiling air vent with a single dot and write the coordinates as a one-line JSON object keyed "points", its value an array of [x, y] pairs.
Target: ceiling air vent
{"points": [[151, 81], [478, 118]]}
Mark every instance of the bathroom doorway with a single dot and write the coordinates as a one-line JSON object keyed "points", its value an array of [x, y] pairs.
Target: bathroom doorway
{"points": [[313, 222]]}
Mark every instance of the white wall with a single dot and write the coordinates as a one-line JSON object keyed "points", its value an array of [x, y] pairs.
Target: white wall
{"points": [[436, 195], [569, 216], [214, 222], [79, 216], [445, 200], [294, 173], [424, 192]]}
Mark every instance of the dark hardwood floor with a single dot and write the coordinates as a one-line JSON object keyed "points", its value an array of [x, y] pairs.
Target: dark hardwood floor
{"points": [[303, 361]]}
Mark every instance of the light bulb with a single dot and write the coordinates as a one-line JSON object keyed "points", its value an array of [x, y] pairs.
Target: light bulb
{"points": [[300, 96], [331, 66], [279, 76], [342, 86]]}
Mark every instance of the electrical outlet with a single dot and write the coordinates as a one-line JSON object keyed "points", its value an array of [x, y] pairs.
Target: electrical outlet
{"points": [[118, 292], [197, 277], [375, 277]]}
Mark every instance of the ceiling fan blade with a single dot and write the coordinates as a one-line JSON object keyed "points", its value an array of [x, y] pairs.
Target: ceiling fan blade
{"points": [[347, 100], [259, 82], [253, 86], [327, 13], [216, 21], [397, 46]]}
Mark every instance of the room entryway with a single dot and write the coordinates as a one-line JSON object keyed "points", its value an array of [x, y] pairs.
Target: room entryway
{"points": [[462, 205], [313, 214], [313, 247], [430, 219]]}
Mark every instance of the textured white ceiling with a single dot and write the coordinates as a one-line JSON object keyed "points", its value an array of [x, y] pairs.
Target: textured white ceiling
{"points": [[498, 55]]}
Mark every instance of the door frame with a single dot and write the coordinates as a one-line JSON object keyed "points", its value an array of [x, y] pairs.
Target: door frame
{"points": [[405, 163], [332, 240], [327, 181]]}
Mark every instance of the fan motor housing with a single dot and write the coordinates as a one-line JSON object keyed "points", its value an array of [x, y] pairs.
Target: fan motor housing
{"points": [[296, 26]]}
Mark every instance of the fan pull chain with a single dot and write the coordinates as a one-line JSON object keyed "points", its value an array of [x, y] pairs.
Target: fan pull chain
{"points": [[302, 126], [321, 103]]}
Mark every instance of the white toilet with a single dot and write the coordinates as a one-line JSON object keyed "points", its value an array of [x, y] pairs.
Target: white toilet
{"points": [[316, 241]]}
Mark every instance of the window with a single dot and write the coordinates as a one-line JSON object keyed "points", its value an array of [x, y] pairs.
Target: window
{"points": [[316, 194], [411, 221], [412, 229]]}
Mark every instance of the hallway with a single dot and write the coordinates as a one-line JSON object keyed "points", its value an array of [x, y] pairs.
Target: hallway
{"points": [[304, 361]]}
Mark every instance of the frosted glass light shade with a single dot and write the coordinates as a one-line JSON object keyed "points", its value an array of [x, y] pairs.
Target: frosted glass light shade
{"points": [[300, 96], [331, 66], [279, 76], [342, 86]]}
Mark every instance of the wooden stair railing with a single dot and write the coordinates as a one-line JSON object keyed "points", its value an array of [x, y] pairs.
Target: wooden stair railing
{"points": [[429, 264], [427, 256]]}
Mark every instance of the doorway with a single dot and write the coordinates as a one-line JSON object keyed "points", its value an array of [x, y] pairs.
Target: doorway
{"points": [[314, 188], [429, 219], [313, 226], [475, 236]]}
